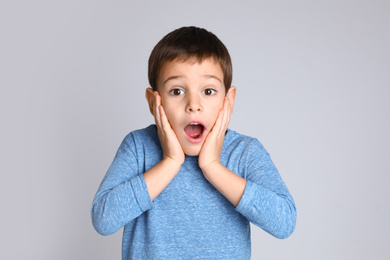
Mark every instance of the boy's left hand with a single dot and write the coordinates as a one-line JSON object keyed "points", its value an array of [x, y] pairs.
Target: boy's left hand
{"points": [[210, 152]]}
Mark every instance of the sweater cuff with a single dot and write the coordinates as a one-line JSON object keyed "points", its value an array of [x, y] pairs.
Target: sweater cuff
{"points": [[246, 200], [141, 193]]}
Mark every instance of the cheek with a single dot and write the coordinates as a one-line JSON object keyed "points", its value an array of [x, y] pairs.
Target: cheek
{"points": [[212, 114], [169, 111], [216, 108]]}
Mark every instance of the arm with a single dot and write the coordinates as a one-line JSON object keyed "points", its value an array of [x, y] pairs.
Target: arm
{"points": [[266, 201], [124, 193], [162, 174], [225, 181], [262, 197]]}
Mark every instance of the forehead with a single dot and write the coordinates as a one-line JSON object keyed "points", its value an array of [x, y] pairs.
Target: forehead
{"points": [[190, 70]]}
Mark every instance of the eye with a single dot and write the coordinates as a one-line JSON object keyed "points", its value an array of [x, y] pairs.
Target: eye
{"points": [[176, 92], [209, 92]]}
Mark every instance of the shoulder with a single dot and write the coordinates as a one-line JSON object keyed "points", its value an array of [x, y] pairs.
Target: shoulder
{"points": [[146, 134], [141, 138], [245, 155], [240, 152], [243, 143]]}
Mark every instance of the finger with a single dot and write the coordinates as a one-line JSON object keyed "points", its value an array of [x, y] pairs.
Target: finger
{"points": [[227, 115], [163, 117], [166, 126], [225, 118], [157, 109], [216, 130]]}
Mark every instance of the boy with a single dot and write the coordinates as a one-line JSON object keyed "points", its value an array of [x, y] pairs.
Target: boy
{"points": [[187, 187]]}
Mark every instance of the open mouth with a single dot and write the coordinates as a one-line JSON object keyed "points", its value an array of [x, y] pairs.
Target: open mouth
{"points": [[194, 131]]}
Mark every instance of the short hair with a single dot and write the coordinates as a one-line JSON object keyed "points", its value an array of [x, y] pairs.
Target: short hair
{"points": [[185, 44]]}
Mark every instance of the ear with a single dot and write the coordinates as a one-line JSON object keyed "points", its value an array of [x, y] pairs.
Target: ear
{"points": [[231, 95], [149, 94]]}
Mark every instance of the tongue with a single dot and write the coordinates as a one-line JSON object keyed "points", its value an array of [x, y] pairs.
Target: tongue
{"points": [[193, 130]]}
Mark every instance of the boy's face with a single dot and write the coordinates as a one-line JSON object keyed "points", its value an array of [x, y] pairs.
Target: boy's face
{"points": [[192, 95]]}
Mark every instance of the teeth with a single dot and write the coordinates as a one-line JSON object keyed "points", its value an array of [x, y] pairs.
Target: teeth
{"points": [[194, 124]]}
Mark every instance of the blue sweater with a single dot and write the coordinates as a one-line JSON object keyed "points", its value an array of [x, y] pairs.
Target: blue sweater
{"points": [[190, 219]]}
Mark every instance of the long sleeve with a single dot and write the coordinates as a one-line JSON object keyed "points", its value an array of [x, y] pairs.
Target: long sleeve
{"points": [[122, 195], [266, 201], [190, 218]]}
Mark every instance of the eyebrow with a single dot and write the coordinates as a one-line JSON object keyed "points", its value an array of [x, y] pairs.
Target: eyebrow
{"points": [[179, 77], [172, 78], [212, 77]]}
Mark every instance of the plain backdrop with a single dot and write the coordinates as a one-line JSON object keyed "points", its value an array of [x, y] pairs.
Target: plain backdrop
{"points": [[312, 83]]}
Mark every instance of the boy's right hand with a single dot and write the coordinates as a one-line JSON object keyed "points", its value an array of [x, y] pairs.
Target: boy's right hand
{"points": [[172, 149]]}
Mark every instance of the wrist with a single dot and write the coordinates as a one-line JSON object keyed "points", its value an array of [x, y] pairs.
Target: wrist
{"points": [[210, 167], [172, 162]]}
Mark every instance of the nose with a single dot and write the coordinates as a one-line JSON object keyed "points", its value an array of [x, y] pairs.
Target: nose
{"points": [[194, 104]]}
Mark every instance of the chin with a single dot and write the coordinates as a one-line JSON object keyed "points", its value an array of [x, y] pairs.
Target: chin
{"points": [[192, 151]]}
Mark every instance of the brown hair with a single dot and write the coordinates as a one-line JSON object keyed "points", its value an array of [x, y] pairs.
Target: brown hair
{"points": [[185, 44]]}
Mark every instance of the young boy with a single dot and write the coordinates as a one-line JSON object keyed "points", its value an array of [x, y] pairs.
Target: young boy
{"points": [[188, 187]]}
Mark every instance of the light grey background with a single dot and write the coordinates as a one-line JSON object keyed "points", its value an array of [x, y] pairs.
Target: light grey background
{"points": [[313, 87]]}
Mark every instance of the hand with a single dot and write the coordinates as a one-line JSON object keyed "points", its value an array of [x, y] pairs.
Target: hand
{"points": [[210, 152], [168, 139]]}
